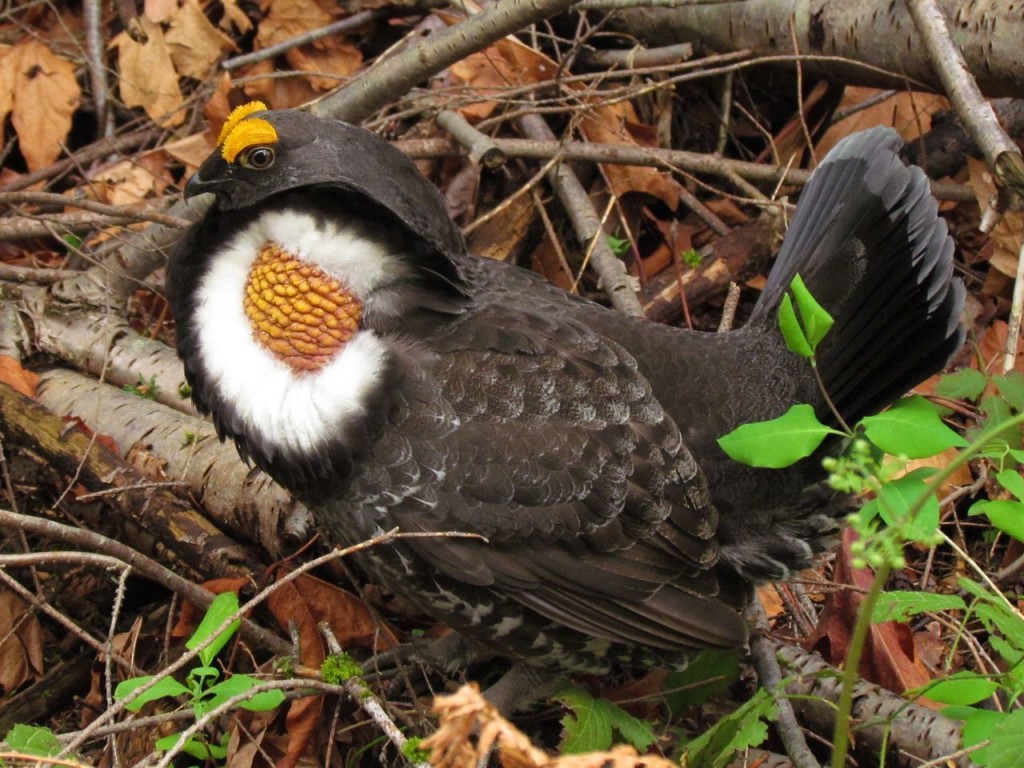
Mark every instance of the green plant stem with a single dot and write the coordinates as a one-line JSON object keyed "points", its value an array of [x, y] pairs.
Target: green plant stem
{"points": [[841, 732], [828, 400]]}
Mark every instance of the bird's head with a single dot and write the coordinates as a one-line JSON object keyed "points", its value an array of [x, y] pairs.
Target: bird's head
{"points": [[326, 258], [262, 153]]}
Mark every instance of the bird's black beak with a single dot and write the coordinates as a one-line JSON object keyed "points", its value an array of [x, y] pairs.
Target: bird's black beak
{"points": [[194, 186], [209, 177]]}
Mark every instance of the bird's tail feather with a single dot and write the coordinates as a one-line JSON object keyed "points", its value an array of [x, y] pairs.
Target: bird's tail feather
{"points": [[869, 244]]}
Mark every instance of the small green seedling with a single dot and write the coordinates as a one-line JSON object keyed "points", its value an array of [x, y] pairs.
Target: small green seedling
{"points": [[203, 685], [147, 389]]}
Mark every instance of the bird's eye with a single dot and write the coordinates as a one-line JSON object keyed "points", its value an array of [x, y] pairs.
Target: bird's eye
{"points": [[258, 158]]}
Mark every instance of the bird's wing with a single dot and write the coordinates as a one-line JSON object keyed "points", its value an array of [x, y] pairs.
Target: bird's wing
{"points": [[542, 437]]}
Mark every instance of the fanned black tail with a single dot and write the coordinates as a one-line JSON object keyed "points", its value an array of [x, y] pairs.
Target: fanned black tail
{"points": [[869, 243]]}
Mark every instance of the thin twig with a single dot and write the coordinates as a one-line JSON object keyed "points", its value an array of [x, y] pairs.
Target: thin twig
{"points": [[394, 77], [361, 694], [614, 279], [482, 148], [769, 674], [348, 24], [671, 159], [84, 156], [1002, 155], [121, 211]]}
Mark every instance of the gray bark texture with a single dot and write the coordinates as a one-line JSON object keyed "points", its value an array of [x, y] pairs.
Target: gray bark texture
{"points": [[877, 36]]}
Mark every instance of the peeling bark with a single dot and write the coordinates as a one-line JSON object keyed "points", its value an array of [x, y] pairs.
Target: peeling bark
{"points": [[103, 344], [242, 500], [880, 719], [874, 34], [189, 538]]}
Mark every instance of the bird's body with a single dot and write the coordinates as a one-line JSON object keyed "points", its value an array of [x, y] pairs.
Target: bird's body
{"points": [[332, 323]]}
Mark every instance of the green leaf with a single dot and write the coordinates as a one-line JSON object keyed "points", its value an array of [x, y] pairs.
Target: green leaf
{"points": [[1007, 516], [1011, 387], [1013, 657], [895, 500], [1011, 480], [223, 606], [164, 688], [194, 747], [814, 318], [237, 684], [779, 442], [591, 724], [617, 245], [792, 332], [911, 428], [203, 676], [1006, 743], [960, 688], [34, 740], [901, 606], [1006, 621], [978, 723], [707, 674], [743, 727], [965, 384], [691, 258]]}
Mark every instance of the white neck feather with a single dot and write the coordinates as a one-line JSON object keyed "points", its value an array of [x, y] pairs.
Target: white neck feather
{"points": [[280, 406]]}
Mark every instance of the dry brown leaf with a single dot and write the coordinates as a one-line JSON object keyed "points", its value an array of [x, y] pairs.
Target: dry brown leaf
{"points": [[218, 107], [771, 601], [21, 652], [908, 112], [471, 730], [347, 615], [147, 77], [15, 376], [304, 603], [234, 17], [159, 10], [276, 92], [191, 150], [619, 124], [505, 64], [45, 96], [301, 723], [889, 657], [331, 55], [336, 58], [285, 19], [9, 57], [961, 475], [133, 180], [992, 347], [195, 45], [510, 62], [1005, 236]]}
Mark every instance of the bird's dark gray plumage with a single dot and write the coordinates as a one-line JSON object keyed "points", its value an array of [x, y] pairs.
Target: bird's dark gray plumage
{"points": [[580, 443]]}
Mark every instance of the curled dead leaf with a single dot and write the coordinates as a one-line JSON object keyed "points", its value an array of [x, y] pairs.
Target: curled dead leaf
{"points": [[470, 731], [41, 95], [147, 77], [21, 652], [330, 55], [1005, 236], [194, 44]]}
